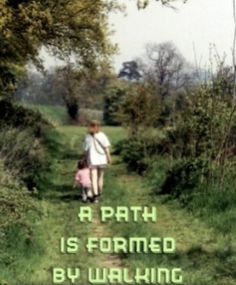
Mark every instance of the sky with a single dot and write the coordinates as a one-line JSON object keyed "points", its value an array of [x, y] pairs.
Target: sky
{"points": [[198, 24]]}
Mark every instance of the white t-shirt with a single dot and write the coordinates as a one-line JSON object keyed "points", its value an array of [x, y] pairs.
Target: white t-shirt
{"points": [[94, 146]]}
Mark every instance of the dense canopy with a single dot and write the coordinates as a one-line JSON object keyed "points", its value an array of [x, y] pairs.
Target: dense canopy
{"points": [[65, 26]]}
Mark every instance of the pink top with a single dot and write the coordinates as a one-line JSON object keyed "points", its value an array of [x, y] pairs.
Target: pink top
{"points": [[83, 177]]}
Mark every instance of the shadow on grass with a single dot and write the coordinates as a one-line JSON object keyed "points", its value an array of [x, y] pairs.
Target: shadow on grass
{"points": [[221, 260], [63, 192]]}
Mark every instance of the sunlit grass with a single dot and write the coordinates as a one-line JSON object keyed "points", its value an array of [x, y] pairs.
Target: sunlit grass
{"points": [[205, 255]]}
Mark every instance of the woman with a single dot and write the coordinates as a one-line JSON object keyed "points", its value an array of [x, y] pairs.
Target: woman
{"points": [[97, 148]]}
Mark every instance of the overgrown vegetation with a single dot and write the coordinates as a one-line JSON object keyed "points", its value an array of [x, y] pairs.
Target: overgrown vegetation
{"points": [[197, 143], [26, 157], [18, 211], [26, 148], [24, 143]]}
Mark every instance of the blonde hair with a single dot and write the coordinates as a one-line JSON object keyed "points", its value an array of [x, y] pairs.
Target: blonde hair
{"points": [[95, 123]]}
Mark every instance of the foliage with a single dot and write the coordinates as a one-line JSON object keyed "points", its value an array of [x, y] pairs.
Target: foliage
{"points": [[138, 151], [81, 88], [183, 177], [16, 116], [18, 213], [63, 26], [200, 126], [140, 109], [39, 89], [193, 161], [130, 71], [24, 143], [25, 155], [165, 69], [115, 94], [14, 198]]}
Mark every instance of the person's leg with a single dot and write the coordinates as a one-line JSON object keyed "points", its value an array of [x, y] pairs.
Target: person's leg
{"points": [[84, 194], [100, 180], [89, 193], [94, 180]]}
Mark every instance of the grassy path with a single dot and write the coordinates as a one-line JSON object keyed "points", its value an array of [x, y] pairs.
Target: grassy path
{"points": [[61, 206], [205, 256], [200, 251]]}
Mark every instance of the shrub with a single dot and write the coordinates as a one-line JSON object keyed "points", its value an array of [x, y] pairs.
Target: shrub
{"points": [[18, 213], [113, 100], [183, 177], [16, 116], [137, 152], [25, 155], [24, 143]]}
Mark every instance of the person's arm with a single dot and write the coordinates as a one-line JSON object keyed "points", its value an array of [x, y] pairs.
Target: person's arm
{"points": [[86, 144], [108, 154], [107, 146]]}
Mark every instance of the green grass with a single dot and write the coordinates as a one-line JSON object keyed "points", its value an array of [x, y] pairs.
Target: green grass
{"points": [[206, 256], [20, 241], [56, 115], [201, 251]]}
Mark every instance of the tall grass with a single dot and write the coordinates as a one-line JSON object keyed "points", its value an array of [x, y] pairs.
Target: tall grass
{"points": [[19, 243], [200, 252], [25, 160]]}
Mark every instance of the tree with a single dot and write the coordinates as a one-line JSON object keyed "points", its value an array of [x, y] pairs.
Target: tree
{"points": [[130, 71], [64, 26], [115, 95], [68, 81], [140, 109], [165, 68], [82, 88]]}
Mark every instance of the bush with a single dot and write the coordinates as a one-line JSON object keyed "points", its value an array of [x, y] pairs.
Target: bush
{"points": [[196, 187], [18, 213], [25, 155], [113, 100], [183, 177], [24, 143], [16, 116], [137, 152]]}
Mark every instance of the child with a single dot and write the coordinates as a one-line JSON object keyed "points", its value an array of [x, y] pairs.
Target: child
{"points": [[82, 178]]}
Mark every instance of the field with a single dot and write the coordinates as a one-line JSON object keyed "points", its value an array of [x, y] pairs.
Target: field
{"points": [[54, 114], [205, 255]]}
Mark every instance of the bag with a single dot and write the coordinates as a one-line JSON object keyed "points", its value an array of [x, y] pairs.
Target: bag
{"points": [[101, 145]]}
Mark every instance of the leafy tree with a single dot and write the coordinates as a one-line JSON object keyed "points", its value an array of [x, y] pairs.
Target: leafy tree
{"points": [[68, 80], [140, 110], [82, 88], [130, 71], [115, 94], [64, 26]]}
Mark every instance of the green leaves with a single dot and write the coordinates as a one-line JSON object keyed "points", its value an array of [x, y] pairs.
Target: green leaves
{"points": [[65, 27]]}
